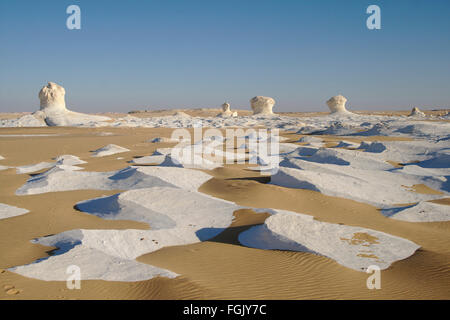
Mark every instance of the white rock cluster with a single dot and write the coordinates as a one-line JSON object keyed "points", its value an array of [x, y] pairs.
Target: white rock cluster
{"points": [[226, 111]]}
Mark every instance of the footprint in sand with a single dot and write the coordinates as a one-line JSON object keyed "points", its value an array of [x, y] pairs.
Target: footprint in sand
{"points": [[11, 290]]}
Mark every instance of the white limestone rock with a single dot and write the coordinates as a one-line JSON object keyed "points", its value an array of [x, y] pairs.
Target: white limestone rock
{"points": [[415, 112], [7, 211], [226, 111], [65, 178], [51, 96], [262, 105], [353, 247], [108, 150], [226, 107], [176, 217], [420, 212], [54, 112], [337, 104]]}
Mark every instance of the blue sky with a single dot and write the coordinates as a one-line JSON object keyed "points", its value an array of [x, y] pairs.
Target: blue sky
{"points": [[186, 54]]}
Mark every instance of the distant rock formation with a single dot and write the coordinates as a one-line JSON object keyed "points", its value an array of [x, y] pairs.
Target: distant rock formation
{"points": [[262, 105], [337, 104], [226, 107], [226, 111], [415, 112], [54, 112]]}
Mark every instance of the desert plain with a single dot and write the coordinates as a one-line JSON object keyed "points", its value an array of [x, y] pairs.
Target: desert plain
{"points": [[348, 190]]}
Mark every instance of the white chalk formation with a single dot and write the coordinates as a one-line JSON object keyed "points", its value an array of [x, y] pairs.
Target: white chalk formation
{"points": [[420, 212], [52, 96], [353, 247], [108, 150], [337, 104], [7, 211], [262, 105], [175, 216], [53, 111], [415, 112], [64, 161], [65, 178], [226, 111]]}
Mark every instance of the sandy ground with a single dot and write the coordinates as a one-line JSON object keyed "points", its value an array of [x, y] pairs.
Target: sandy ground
{"points": [[220, 268]]}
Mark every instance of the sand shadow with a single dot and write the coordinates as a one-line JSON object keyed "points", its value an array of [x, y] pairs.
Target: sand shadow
{"points": [[229, 235], [262, 179]]}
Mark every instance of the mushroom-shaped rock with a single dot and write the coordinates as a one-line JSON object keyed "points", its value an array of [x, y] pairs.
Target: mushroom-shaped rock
{"points": [[262, 105], [415, 112], [52, 96], [226, 111], [54, 112], [337, 104]]}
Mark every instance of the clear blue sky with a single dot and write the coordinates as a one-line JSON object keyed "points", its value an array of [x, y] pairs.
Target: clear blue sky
{"points": [[185, 54]]}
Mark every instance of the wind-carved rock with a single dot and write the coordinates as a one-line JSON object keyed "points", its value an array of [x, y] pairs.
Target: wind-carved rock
{"points": [[226, 107], [53, 109], [226, 111], [415, 112], [262, 105], [52, 96], [337, 104]]}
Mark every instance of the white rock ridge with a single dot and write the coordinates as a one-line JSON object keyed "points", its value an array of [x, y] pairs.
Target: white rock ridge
{"points": [[64, 161], [337, 104], [176, 217], [353, 247], [54, 112], [420, 212], [262, 105], [65, 178], [7, 211]]}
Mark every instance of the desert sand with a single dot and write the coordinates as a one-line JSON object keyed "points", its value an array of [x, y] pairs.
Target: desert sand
{"points": [[219, 268]]}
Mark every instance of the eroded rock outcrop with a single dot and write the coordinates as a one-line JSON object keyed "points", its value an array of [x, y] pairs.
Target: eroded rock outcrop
{"points": [[52, 96], [53, 109], [262, 105], [226, 111], [337, 104], [415, 112]]}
